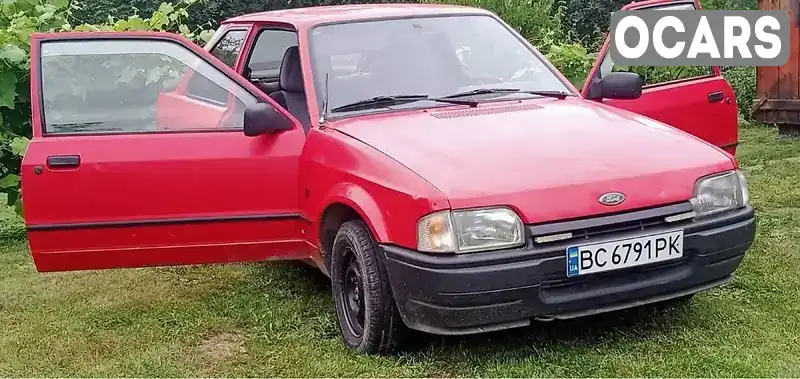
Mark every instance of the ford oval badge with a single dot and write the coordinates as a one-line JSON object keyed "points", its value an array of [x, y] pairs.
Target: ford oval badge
{"points": [[611, 198]]}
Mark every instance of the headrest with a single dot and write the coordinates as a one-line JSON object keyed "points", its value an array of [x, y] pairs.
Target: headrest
{"points": [[291, 76]]}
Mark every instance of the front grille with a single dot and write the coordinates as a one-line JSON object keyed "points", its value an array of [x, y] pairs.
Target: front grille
{"points": [[640, 220], [617, 228]]}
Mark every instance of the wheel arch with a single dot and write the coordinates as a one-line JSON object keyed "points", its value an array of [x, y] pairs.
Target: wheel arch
{"points": [[346, 202]]}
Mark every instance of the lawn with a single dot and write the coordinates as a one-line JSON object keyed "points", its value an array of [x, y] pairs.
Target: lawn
{"points": [[277, 319]]}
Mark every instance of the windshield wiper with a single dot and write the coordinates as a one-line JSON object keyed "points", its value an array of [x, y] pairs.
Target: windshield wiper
{"points": [[481, 91], [387, 100], [382, 101], [503, 91], [557, 94]]}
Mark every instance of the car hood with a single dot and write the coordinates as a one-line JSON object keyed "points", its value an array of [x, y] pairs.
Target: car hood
{"points": [[548, 159]]}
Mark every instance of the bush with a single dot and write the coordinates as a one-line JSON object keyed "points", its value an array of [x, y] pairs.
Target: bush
{"points": [[730, 4], [209, 13], [743, 81], [573, 61], [589, 19], [20, 18], [540, 21]]}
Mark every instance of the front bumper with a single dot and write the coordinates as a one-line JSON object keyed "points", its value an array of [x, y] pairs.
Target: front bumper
{"points": [[479, 292]]}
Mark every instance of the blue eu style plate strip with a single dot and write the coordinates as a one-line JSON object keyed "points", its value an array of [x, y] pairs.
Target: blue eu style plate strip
{"points": [[572, 261]]}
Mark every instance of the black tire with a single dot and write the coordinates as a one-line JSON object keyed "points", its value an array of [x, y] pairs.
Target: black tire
{"points": [[368, 318]]}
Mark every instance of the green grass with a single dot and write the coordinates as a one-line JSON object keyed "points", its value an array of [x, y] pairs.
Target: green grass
{"points": [[277, 319]]}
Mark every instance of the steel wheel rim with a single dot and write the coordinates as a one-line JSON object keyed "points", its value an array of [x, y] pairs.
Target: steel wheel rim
{"points": [[352, 296]]}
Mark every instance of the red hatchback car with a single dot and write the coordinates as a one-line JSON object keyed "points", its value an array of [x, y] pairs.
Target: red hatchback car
{"points": [[427, 158]]}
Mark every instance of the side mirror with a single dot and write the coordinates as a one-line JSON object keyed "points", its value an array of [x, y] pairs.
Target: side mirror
{"points": [[262, 118], [617, 85]]}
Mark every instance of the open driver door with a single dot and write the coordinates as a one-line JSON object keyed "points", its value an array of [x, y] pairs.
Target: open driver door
{"points": [[138, 158], [697, 100]]}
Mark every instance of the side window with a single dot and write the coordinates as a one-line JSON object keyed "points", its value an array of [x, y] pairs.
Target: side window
{"points": [[271, 44], [229, 47], [227, 50], [133, 85], [653, 75]]}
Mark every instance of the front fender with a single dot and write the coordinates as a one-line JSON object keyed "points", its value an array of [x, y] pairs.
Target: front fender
{"points": [[389, 197], [357, 198]]}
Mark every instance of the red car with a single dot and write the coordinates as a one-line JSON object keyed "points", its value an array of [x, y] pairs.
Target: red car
{"points": [[427, 158]]}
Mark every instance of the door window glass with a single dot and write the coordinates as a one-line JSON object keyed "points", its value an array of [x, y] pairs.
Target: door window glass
{"points": [[271, 44], [653, 75], [229, 47], [128, 85]]}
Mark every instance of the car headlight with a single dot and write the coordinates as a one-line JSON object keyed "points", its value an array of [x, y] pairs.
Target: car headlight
{"points": [[469, 230], [719, 193]]}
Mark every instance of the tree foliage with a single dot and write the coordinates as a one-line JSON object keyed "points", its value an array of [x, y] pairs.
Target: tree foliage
{"points": [[540, 21], [588, 19], [18, 20], [573, 61], [211, 11]]}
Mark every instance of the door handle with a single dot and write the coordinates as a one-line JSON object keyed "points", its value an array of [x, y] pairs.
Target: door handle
{"points": [[715, 97], [63, 161]]}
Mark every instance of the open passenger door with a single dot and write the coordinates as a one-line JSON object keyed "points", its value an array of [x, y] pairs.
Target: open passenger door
{"points": [[138, 158], [697, 100]]}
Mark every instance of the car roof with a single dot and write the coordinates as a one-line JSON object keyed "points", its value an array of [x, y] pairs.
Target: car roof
{"points": [[307, 17]]}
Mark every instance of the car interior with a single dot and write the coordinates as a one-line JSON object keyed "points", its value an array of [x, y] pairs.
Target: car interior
{"points": [[357, 72], [274, 67], [291, 93]]}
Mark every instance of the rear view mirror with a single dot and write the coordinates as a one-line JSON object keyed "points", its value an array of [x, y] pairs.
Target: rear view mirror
{"points": [[262, 118], [617, 85]]}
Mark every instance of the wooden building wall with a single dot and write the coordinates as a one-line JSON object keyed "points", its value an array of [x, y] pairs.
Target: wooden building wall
{"points": [[778, 88]]}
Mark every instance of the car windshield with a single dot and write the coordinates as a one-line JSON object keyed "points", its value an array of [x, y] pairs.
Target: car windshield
{"points": [[434, 56]]}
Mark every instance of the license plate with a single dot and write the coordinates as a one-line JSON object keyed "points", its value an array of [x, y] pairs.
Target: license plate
{"points": [[624, 253]]}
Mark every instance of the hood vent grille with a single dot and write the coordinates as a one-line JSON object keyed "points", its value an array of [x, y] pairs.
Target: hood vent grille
{"points": [[484, 111]]}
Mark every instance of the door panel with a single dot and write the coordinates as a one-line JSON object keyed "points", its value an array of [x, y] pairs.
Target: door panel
{"points": [[132, 170], [703, 105], [130, 244], [686, 105]]}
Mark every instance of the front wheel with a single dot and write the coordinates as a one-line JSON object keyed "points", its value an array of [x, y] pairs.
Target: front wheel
{"points": [[368, 317]]}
